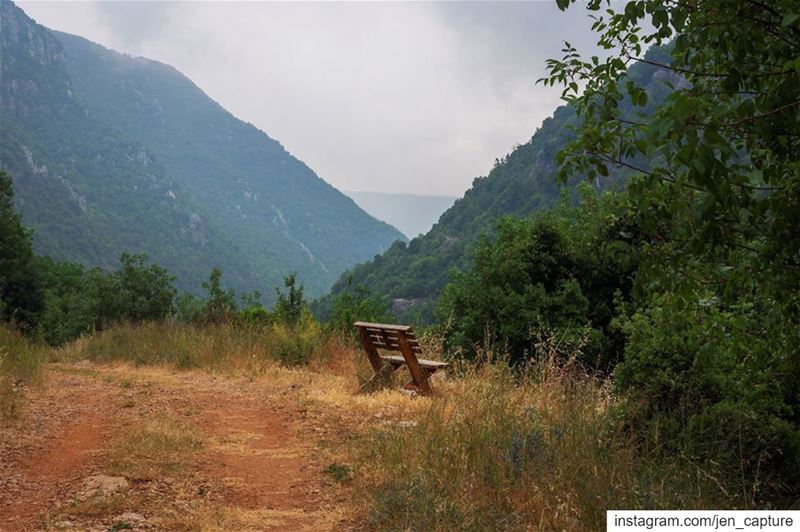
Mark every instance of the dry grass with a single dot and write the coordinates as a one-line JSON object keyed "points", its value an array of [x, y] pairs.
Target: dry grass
{"points": [[212, 518], [492, 449], [20, 366], [226, 347], [504, 451], [154, 448]]}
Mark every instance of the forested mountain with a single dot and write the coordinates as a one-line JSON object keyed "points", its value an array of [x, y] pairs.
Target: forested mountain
{"points": [[413, 214], [522, 182], [110, 153]]}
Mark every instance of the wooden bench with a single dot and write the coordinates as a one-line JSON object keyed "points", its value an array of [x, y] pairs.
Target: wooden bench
{"points": [[400, 338]]}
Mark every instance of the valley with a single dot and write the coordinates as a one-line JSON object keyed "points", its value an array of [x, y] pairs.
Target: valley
{"points": [[194, 325]]}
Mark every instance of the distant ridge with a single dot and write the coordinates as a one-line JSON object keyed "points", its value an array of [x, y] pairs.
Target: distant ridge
{"points": [[413, 214]]}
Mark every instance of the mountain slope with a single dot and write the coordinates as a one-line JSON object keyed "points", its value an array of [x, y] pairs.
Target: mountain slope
{"points": [[520, 183], [111, 152], [413, 214]]}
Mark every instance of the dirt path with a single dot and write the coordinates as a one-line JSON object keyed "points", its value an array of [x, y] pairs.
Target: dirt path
{"points": [[47, 451], [257, 466]]}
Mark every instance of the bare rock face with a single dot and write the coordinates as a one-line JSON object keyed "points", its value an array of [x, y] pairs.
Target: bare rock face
{"points": [[400, 305], [102, 486]]}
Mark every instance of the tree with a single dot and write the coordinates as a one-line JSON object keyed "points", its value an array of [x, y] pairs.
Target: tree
{"points": [[21, 293], [289, 307], [146, 288], [353, 304], [562, 271], [220, 304], [722, 152], [711, 363], [70, 308]]}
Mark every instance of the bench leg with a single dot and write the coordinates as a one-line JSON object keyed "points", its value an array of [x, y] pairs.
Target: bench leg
{"points": [[422, 387]]}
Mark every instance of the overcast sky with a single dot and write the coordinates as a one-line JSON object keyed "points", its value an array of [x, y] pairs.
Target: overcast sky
{"points": [[387, 97]]}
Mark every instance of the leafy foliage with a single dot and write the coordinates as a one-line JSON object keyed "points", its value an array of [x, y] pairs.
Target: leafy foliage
{"points": [[220, 305], [79, 301], [711, 380], [290, 305], [356, 304], [711, 362], [21, 294], [723, 146], [564, 270]]}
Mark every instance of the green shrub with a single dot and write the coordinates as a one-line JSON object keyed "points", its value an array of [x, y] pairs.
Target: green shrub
{"points": [[563, 270], [710, 382], [291, 306], [188, 308], [254, 316], [298, 343], [220, 305], [80, 301], [356, 304]]}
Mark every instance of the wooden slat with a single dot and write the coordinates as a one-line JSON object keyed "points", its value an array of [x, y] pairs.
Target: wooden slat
{"points": [[396, 347], [388, 338], [425, 363], [384, 333], [385, 326]]}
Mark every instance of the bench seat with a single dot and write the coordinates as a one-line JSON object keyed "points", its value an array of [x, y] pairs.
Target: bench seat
{"points": [[427, 364]]}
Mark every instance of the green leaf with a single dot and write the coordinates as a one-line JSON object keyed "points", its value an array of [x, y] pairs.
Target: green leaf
{"points": [[678, 19], [790, 19]]}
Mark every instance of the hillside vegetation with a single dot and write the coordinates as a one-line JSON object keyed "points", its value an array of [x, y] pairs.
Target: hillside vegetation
{"points": [[112, 153]]}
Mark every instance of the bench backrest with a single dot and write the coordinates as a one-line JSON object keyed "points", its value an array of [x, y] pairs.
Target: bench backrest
{"points": [[387, 337]]}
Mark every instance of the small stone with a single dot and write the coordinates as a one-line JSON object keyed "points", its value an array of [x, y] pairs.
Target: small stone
{"points": [[131, 517], [406, 424], [102, 486]]}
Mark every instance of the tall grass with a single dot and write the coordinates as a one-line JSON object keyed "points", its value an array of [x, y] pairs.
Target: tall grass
{"points": [[224, 346], [503, 450], [20, 365], [496, 448]]}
